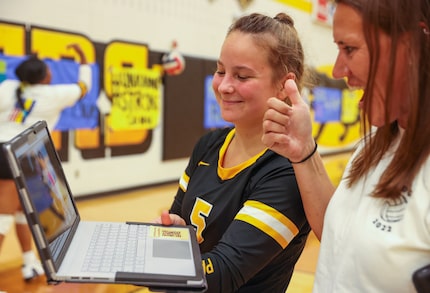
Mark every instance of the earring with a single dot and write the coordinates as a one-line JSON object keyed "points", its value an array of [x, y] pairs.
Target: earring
{"points": [[424, 27]]}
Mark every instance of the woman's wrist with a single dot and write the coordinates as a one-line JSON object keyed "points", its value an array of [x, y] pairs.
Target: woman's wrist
{"points": [[314, 150]]}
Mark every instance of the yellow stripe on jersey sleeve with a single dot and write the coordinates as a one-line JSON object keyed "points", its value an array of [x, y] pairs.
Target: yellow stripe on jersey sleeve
{"points": [[183, 182], [268, 220]]}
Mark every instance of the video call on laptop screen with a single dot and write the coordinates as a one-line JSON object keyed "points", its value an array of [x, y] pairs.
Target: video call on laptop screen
{"points": [[46, 186]]}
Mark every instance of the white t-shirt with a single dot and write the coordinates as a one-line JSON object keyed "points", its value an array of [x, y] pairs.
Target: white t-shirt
{"points": [[374, 245], [49, 101]]}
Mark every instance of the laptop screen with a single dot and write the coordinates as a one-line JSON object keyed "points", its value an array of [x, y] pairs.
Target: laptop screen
{"points": [[165, 256], [43, 177]]}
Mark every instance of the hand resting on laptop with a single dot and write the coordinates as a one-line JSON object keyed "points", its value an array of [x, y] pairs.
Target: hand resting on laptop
{"points": [[167, 219]]}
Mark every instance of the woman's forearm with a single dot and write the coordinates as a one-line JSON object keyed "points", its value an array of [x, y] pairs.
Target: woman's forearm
{"points": [[316, 190]]}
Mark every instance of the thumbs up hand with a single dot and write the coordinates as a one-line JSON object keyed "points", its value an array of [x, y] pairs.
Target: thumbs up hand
{"points": [[287, 129]]}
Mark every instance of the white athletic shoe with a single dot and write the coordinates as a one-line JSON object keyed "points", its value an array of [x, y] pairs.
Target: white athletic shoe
{"points": [[32, 270]]}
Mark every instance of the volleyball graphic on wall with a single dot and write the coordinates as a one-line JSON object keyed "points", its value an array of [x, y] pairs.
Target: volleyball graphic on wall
{"points": [[173, 62]]}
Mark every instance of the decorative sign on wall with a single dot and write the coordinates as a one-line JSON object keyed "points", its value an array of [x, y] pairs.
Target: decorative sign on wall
{"points": [[322, 11], [84, 114], [244, 4], [2, 70], [136, 98], [303, 5]]}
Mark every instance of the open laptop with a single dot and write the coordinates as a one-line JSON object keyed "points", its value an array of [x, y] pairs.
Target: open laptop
{"points": [[72, 250]]}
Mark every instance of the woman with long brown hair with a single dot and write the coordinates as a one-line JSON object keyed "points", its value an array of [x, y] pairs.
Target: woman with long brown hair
{"points": [[375, 226]]}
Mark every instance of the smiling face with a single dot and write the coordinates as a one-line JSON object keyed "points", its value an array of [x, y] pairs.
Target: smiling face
{"points": [[243, 80], [353, 63]]}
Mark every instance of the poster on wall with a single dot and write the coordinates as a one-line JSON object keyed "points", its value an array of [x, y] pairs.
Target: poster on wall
{"points": [[2, 70], [327, 104], [84, 113], [135, 98], [322, 12], [335, 109]]}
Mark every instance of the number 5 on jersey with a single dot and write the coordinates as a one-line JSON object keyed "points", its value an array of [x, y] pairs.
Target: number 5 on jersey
{"points": [[200, 212]]}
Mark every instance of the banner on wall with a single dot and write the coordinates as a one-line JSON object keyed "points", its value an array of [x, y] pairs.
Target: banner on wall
{"points": [[336, 105], [135, 98], [84, 114], [327, 104], [2, 70], [350, 111], [322, 11]]}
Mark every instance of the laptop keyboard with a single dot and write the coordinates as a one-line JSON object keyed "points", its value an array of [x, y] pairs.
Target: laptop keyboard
{"points": [[114, 247]]}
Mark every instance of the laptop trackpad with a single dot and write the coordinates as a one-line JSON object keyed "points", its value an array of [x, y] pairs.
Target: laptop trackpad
{"points": [[170, 257]]}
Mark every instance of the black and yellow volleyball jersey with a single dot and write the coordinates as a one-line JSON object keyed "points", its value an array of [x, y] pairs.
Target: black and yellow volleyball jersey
{"points": [[249, 219]]}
